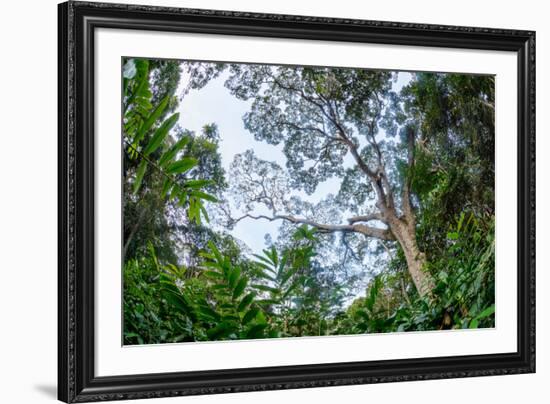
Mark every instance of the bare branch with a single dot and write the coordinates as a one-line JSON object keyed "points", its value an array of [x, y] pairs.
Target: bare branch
{"points": [[383, 234], [348, 249], [381, 170], [378, 178], [366, 218]]}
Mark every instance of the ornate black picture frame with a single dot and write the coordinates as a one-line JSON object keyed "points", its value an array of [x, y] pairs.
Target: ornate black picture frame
{"points": [[78, 21]]}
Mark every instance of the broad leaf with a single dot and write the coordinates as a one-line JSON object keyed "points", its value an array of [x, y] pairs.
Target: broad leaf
{"points": [[160, 134], [171, 153], [239, 288], [246, 301], [151, 119], [250, 315], [181, 166], [139, 175]]}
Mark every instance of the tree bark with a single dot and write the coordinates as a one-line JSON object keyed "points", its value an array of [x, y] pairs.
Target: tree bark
{"points": [[405, 235]]}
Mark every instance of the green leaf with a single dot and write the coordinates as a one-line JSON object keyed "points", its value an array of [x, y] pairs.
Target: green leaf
{"points": [[273, 255], [246, 301], [250, 315], [210, 264], [141, 82], [142, 66], [193, 211], [266, 267], [195, 184], [208, 313], [166, 185], [204, 212], [215, 250], [234, 276], [160, 134], [265, 288], [460, 221], [288, 274], [267, 302], [260, 318], [213, 274], [266, 262], [282, 266], [373, 293], [264, 275], [291, 289], [232, 318], [203, 195], [142, 106], [239, 289], [181, 166], [452, 235], [221, 330], [151, 119], [169, 155], [168, 285], [139, 175], [256, 331], [174, 270], [485, 313], [177, 300]]}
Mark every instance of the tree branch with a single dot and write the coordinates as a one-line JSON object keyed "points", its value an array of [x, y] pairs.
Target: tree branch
{"points": [[343, 138], [348, 249], [383, 234], [381, 170], [367, 218], [378, 178]]}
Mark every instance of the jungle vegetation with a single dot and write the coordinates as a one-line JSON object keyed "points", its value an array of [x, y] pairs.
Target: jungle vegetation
{"points": [[404, 242]]}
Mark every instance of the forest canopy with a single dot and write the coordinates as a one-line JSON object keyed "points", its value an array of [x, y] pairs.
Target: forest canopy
{"points": [[265, 201]]}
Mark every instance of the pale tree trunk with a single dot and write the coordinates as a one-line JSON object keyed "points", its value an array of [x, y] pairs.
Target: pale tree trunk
{"points": [[402, 227], [416, 259]]}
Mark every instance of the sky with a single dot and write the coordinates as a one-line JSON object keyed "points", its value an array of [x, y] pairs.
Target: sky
{"points": [[214, 104]]}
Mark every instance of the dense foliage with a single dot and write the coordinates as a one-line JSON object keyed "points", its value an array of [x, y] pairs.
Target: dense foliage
{"points": [[417, 205]]}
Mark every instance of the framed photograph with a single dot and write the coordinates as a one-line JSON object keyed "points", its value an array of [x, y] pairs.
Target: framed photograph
{"points": [[253, 202]]}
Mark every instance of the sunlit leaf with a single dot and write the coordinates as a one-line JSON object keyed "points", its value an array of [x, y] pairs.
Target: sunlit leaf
{"points": [[160, 134], [151, 119]]}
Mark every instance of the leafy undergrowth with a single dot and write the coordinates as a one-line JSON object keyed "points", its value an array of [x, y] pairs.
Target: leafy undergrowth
{"points": [[277, 295]]}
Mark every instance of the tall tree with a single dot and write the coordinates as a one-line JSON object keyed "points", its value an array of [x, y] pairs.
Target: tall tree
{"points": [[323, 116]]}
